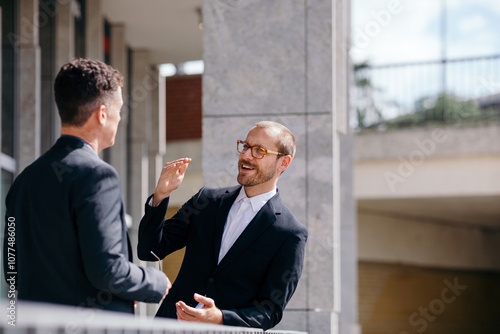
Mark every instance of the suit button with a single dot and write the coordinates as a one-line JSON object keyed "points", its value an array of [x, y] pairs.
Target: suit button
{"points": [[211, 280]]}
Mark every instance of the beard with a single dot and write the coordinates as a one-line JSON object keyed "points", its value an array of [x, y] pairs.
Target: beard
{"points": [[257, 175]]}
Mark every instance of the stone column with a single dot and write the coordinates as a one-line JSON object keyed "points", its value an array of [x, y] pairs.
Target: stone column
{"points": [[29, 89], [138, 185], [94, 30], [65, 46], [157, 135], [142, 87], [118, 153], [286, 61], [348, 320]]}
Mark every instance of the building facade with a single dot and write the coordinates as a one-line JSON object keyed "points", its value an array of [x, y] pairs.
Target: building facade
{"points": [[292, 68]]}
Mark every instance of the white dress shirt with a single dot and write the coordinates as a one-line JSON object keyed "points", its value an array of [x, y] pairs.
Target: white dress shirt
{"points": [[242, 212]]}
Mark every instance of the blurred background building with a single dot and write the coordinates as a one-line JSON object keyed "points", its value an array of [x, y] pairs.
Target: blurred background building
{"points": [[427, 164], [397, 174]]}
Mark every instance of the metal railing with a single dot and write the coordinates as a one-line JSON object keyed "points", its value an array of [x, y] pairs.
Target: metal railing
{"points": [[29, 318], [417, 93]]}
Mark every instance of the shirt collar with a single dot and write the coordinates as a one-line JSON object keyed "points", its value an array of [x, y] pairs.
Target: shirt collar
{"points": [[83, 141], [257, 202]]}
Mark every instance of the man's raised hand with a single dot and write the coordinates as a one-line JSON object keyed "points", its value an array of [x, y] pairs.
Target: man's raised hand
{"points": [[170, 179]]}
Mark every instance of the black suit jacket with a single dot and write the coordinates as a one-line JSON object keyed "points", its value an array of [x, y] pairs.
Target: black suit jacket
{"points": [[257, 277], [71, 238]]}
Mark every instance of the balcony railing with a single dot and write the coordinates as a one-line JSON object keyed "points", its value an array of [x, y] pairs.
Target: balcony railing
{"points": [[29, 318], [445, 91]]}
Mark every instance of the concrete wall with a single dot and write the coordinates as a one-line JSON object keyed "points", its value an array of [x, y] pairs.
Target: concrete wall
{"points": [[429, 229], [286, 61], [448, 161], [408, 241], [406, 299], [429, 196]]}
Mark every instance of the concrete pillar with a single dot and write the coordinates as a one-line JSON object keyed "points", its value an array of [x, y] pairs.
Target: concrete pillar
{"points": [[139, 128], [29, 84], [156, 139], [348, 320], [65, 46], [286, 61], [94, 30], [157, 130], [118, 153], [138, 125]]}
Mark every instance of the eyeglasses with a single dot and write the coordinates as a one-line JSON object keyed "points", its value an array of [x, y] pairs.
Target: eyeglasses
{"points": [[257, 151], [159, 261]]}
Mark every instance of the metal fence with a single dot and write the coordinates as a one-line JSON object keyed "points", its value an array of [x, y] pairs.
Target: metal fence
{"points": [[33, 318], [418, 93]]}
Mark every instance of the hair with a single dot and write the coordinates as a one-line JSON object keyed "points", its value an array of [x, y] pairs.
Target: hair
{"points": [[81, 86], [284, 138]]}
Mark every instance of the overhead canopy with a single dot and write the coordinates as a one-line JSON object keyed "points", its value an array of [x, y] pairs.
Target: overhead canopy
{"points": [[169, 29]]}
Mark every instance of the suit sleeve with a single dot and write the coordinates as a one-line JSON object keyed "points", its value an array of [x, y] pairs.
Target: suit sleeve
{"points": [[277, 288], [164, 237], [98, 211]]}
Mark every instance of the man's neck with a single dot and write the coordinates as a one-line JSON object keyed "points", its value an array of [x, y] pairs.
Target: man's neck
{"points": [[83, 134], [258, 189]]}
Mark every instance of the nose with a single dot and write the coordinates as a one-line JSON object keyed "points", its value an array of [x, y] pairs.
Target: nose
{"points": [[247, 153]]}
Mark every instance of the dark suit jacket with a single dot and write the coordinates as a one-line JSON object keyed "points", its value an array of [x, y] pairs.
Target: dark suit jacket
{"points": [[71, 237], [257, 277]]}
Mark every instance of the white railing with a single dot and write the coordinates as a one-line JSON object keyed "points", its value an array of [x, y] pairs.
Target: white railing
{"points": [[29, 318]]}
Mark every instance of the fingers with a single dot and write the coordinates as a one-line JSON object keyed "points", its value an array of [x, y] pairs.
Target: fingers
{"points": [[182, 168], [185, 312], [177, 162], [179, 165], [208, 302], [170, 179], [209, 313]]}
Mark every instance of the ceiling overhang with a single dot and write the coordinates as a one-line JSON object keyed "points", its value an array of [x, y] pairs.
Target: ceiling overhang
{"points": [[168, 29]]}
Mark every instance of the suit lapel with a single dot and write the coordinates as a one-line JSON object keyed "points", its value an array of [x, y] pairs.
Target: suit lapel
{"points": [[226, 202], [264, 218]]}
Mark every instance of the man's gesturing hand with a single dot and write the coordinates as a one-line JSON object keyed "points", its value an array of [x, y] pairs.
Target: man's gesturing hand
{"points": [[208, 313], [170, 179]]}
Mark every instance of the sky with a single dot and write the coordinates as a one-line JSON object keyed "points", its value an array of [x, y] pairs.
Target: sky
{"points": [[389, 32], [398, 31]]}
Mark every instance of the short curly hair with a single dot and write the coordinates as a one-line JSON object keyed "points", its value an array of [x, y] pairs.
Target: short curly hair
{"points": [[81, 86]]}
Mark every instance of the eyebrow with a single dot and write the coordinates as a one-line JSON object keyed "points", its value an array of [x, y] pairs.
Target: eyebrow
{"points": [[261, 146]]}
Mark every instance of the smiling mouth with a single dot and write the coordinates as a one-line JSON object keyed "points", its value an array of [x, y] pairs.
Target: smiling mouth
{"points": [[246, 167]]}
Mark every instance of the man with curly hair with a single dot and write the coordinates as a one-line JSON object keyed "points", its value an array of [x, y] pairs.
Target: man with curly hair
{"points": [[71, 242]]}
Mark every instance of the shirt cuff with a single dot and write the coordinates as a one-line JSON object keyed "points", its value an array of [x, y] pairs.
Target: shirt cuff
{"points": [[150, 203]]}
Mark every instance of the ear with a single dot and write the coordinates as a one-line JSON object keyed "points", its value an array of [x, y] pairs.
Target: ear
{"points": [[285, 162], [102, 115]]}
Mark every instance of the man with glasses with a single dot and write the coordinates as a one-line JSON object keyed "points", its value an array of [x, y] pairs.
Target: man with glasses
{"points": [[244, 248]]}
